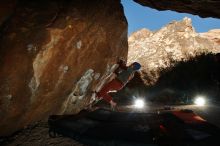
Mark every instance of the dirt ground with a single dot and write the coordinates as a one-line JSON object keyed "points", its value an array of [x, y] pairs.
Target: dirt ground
{"points": [[37, 135]]}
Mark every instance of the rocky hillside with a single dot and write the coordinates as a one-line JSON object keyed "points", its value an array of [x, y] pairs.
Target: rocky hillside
{"points": [[212, 35], [177, 41]]}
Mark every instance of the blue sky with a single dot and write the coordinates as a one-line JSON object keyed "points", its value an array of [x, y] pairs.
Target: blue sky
{"points": [[144, 17]]}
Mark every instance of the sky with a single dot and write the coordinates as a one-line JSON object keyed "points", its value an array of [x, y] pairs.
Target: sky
{"points": [[144, 17]]}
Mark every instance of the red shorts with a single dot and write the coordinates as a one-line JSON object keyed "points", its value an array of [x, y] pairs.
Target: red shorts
{"points": [[111, 86]]}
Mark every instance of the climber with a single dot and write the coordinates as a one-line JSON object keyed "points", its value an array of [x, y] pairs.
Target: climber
{"points": [[122, 75]]}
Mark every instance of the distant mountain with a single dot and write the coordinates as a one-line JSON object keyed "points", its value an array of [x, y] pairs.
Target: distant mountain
{"points": [[177, 41], [212, 35]]}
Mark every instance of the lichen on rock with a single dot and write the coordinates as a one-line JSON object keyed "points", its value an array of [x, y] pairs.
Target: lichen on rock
{"points": [[79, 91]]}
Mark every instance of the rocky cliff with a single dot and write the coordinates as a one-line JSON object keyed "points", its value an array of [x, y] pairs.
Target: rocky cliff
{"points": [[175, 42], [53, 53], [212, 35]]}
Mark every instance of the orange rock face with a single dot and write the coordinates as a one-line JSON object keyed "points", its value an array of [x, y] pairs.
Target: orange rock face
{"points": [[53, 53]]}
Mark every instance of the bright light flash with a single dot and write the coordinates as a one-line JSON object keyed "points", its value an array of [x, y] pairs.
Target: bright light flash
{"points": [[200, 101], [139, 103]]}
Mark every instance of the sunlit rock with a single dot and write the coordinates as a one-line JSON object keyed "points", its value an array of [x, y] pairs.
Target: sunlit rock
{"points": [[212, 35], [177, 41]]}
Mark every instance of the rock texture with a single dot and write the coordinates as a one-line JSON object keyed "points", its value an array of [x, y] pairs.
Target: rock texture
{"points": [[7, 8], [175, 42], [53, 53], [212, 35], [203, 8]]}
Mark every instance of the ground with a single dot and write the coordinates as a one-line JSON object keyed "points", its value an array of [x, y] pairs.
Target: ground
{"points": [[37, 134]]}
